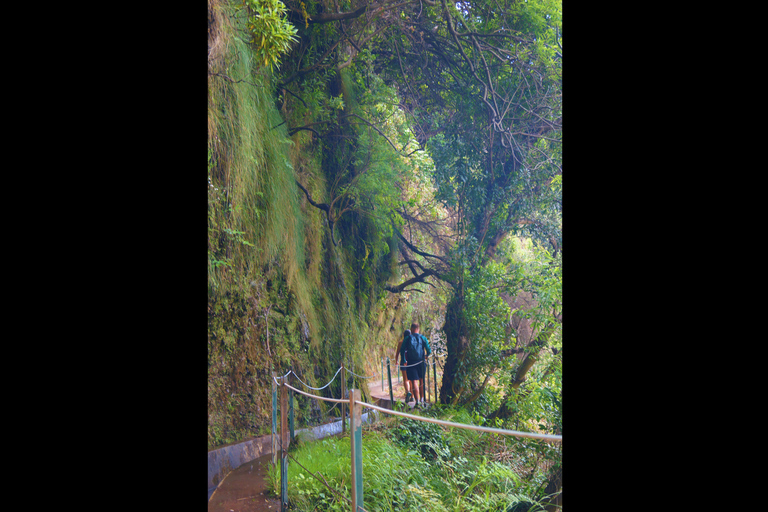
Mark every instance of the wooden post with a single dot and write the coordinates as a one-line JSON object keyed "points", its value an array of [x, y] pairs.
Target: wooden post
{"points": [[274, 419], [389, 380], [284, 440], [356, 437], [344, 392]]}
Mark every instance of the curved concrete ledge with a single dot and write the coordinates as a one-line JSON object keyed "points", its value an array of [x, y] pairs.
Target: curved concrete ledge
{"points": [[226, 459], [222, 461]]}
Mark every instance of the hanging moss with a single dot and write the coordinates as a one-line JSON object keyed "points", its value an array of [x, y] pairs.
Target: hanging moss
{"points": [[284, 292]]}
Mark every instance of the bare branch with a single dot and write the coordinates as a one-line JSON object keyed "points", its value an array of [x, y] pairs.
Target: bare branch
{"points": [[417, 279], [414, 249], [321, 206], [318, 65], [326, 17], [374, 127], [306, 128], [295, 96]]}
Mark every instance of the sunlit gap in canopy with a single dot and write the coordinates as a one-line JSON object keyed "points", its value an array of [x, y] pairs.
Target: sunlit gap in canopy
{"points": [[463, 8]]}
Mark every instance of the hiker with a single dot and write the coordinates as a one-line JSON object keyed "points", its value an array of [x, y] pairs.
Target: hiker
{"points": [[406, 383], [415, 349]]}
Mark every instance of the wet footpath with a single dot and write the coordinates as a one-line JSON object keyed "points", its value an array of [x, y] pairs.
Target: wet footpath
{"points": [[246, 488]]}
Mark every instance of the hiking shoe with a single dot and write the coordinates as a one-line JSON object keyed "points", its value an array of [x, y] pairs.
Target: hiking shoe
{"points": [[408, 397]]}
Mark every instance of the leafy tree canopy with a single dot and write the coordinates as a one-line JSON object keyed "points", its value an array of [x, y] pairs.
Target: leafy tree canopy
{"points": [[441, 123]]}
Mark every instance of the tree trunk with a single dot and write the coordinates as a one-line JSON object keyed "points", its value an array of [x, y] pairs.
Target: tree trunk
{"points": [[457, 342], [539, 343], [554, 491]]}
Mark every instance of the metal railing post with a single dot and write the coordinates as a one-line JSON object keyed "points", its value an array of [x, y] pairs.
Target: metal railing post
{"points": [[426, 393], [343, 405], [290, 418], [434, 374], [382, 374], [356, 437], [283, 446], [274, 419], [389, 381]]}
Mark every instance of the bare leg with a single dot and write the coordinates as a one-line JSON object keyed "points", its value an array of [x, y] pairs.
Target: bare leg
{"points": [[406, 384], [416, 391]]}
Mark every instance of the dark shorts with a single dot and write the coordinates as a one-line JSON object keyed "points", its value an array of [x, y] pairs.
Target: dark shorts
{"points": [[416, 372]]}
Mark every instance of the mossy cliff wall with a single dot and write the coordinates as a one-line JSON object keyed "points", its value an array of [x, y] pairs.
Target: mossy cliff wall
{"points": [[282, 295]]}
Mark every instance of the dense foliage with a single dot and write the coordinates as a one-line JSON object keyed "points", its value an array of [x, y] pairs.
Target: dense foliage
{"points": [[410, 465], [374, 163]]}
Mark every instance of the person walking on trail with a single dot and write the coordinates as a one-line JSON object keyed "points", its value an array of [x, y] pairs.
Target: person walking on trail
{"points": [[424, 363], [406, 382], [415, 349]]}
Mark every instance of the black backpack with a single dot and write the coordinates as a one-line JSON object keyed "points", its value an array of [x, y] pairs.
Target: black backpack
{"points": [[414, 348]]}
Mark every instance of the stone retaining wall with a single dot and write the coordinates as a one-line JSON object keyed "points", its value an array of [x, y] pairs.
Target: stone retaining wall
{"points": [[222, 461]]}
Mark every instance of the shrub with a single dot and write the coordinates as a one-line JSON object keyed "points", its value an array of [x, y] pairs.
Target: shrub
{"points": [[271, 33], [424, 438]]}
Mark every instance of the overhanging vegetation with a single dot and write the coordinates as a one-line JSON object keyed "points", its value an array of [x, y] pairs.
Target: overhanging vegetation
{"points": [[371, 164]]}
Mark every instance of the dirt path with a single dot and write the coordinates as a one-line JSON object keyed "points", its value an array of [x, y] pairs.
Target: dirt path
{"points": [[398, 390]]}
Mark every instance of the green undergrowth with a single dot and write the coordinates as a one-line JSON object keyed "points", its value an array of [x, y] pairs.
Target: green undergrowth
{"points": [[413, 466]]}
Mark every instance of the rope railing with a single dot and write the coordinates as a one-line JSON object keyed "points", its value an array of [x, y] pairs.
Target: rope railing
{"points": [[307, 385], [355, 417], [435, 356], [399, 366], [360, 376], [467, 426], [490, 430], [315, 396]]}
